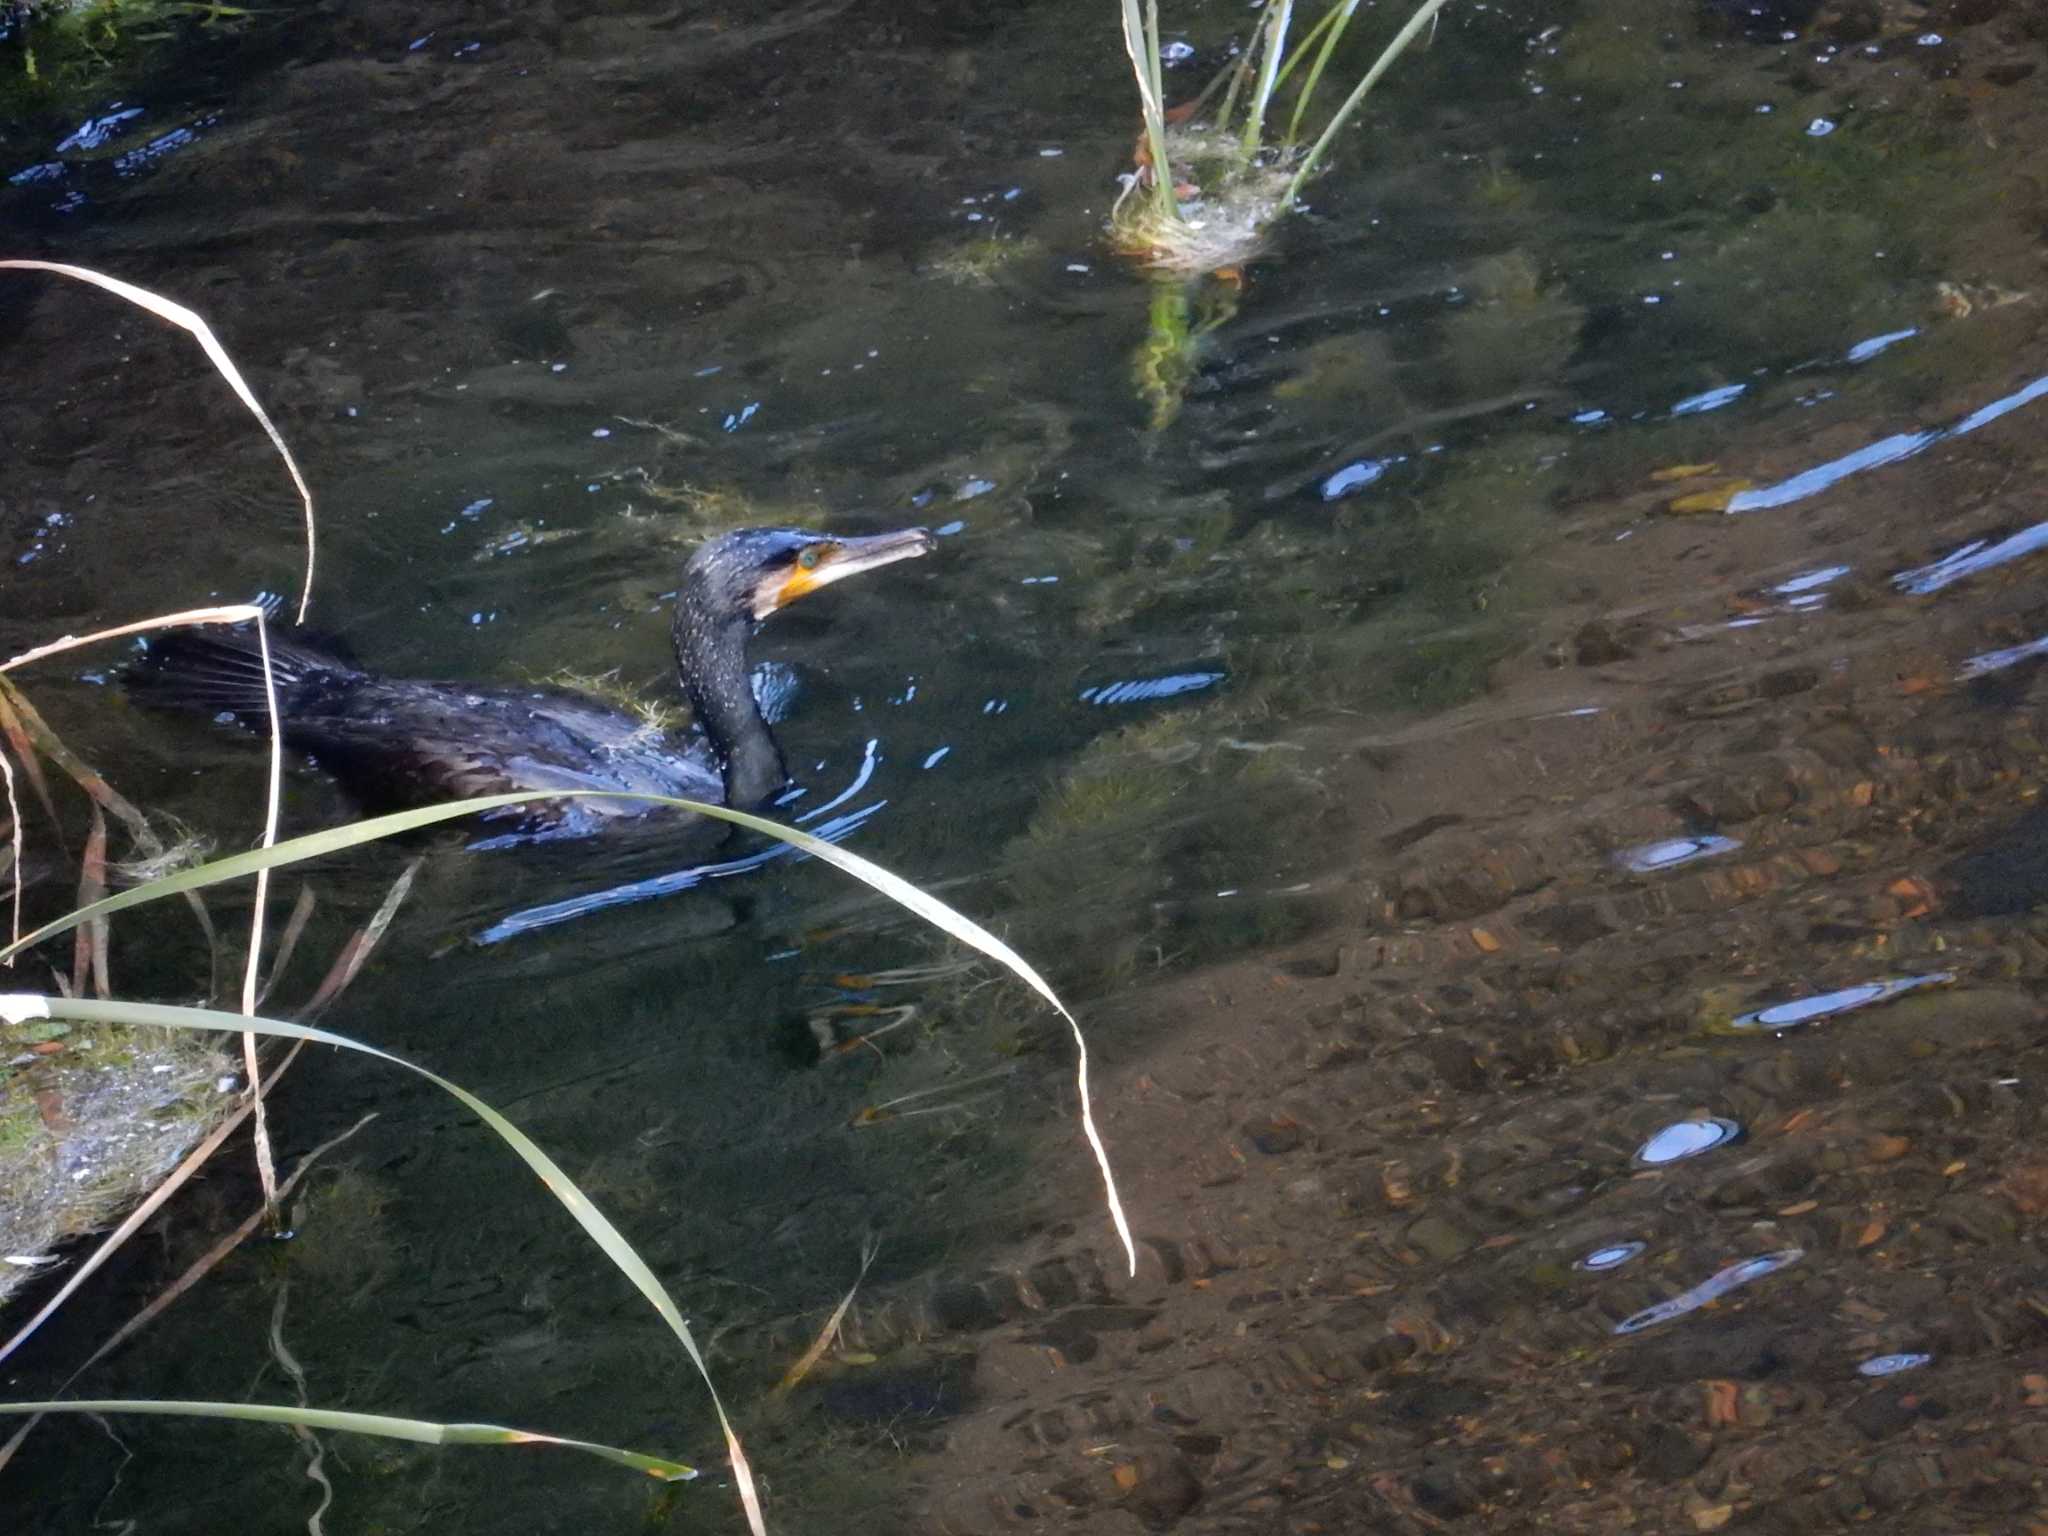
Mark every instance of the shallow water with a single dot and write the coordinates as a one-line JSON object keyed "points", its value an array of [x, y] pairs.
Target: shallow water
{"points": [[1563, 954]]}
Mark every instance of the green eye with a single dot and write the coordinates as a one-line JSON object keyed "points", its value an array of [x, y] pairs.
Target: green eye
{"points": [[808, 559]]}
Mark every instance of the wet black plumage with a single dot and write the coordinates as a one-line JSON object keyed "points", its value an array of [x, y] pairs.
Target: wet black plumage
{"points": [[400, 742]]}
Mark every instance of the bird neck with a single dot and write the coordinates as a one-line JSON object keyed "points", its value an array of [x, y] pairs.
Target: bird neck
{"points": [[712, 659]]}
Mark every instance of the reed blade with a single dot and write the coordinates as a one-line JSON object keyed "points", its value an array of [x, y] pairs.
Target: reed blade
{"points": [[895, 887], [1141, 42], [1331, 28], [1272, 50], [1424, 15], [382, 1425]]}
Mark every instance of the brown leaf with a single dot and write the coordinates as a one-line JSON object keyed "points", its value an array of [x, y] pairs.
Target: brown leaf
{"points": [[2027, 1188], [50, 1105], [1721, 1403], [1715, 500], [1870, 1234]]}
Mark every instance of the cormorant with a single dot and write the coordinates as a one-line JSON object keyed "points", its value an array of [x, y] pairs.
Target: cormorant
{"points": [[394, 743]]}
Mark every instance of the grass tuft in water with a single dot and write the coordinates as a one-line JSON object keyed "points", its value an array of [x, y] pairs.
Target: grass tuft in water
{"points": [[1206, 190]]}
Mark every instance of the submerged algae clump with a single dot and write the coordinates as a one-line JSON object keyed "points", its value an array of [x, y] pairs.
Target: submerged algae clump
{"points": [[89, 1128]]}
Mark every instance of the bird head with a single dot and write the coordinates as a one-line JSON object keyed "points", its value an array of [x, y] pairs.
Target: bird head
{"points": [[752, 572]]}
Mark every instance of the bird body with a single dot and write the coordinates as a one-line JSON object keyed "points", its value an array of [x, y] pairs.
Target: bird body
{"points": [[394, 743]]}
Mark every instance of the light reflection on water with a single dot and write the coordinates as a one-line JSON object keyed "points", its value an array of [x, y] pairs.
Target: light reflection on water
{"points": [[1889, 450]]}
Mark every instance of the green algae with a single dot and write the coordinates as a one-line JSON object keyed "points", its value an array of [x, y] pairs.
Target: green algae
{"points": [[87, 1130]]}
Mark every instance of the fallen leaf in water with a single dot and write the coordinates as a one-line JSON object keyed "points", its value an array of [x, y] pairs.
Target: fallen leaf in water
{"points": [[1870, 1234], [1485, 940], [1721, 1402], [1885, 1149], [1682, 471], [1801, 1208], [1126, 1476], [1394, 1185], [1954, 1168], [1713, 1517], [1915, 895], [2027, 1188], [1714, 500]]}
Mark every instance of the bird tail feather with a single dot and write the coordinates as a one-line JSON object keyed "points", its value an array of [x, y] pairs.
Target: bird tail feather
{"points": [[220, 671]]}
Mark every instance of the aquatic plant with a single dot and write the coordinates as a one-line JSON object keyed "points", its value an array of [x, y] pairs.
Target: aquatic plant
{"points": [[1206, 190]]}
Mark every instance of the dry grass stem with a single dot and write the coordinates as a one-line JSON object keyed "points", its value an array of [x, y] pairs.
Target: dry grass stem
{"points": [[227, 613], [359, 948], [266, 1162], [830, 1331], [178, 314], [232, 613], [24, 750], [89, 945], [288, 941], [19, 874]]}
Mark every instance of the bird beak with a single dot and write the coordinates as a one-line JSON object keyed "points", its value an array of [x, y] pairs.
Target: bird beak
{"points": [[834, 559]]}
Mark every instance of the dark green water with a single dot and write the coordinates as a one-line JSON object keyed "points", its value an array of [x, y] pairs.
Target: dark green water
{"points": [[1340, 713]]}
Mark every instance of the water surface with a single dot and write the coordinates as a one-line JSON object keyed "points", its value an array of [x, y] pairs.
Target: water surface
{"points": [[1529, 777]]}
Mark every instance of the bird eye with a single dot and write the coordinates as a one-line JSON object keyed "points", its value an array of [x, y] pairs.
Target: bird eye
{"points": [[808, 559]]}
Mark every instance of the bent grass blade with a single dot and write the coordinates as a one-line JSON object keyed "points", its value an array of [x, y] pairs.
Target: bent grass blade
{"points": [[382, 1425], [895, 887], [19, 1007], [17, 870], [1424, 15], [178, 314]]}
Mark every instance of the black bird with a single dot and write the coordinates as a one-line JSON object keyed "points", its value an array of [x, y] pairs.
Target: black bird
{"points": [[394, 743]]}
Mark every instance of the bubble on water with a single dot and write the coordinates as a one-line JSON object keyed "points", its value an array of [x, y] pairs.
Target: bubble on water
{"points": [[1670, 852], [1811, 1010], [1686, 1138], [1710, 1289], [1610, 1256]]}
